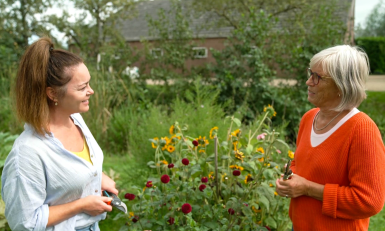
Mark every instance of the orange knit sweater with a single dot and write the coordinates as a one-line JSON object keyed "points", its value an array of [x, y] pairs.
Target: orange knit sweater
{"points": [[351, 165]]}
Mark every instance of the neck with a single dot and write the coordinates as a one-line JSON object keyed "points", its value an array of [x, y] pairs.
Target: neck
{"points": [[58, 118]]}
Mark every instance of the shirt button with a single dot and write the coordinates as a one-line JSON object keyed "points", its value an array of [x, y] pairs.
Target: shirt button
{"points": [[96, 190], [95, 174]]}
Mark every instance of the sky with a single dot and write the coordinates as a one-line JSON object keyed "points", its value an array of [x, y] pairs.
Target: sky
{"points": [[363, 9]]}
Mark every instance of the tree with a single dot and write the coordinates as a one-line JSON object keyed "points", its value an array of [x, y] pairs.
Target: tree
{"points": [[375, 23], [90, 36]]}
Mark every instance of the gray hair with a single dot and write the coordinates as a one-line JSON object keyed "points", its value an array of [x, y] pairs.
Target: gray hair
{"points": [[349, 68]]}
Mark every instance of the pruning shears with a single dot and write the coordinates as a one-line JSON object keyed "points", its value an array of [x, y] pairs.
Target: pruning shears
{"points": [[116, 202], [288, 172]]}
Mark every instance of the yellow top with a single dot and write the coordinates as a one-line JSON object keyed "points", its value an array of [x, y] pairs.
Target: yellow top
{"points": [[85, 154]]}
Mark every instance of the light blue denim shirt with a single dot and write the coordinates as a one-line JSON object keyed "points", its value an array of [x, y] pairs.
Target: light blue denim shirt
{"points": [[39, 173]]}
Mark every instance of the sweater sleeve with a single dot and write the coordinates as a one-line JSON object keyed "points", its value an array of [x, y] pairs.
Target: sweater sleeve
{"points": [[365, 194]]}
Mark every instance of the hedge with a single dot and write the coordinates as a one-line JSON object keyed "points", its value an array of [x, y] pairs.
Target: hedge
{"points": [[375, 48]]}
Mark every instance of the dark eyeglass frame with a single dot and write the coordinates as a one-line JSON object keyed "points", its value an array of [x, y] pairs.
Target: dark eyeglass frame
{"points": [[315, 77]]}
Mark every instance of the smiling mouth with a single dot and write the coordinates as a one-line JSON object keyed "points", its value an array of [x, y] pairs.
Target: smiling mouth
{"points": [[84, 101]]}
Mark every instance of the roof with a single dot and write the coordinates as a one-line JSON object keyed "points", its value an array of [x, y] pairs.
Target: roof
{"points": [[137, 28]]}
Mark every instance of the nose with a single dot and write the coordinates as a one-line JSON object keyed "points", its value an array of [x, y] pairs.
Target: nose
{"points": [[90, 91], [309, 81]]}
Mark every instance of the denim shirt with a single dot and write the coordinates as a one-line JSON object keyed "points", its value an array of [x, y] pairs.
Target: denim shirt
{"points": [[39, 172]]}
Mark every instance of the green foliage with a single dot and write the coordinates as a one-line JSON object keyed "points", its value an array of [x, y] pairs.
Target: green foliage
{"points": [[228, 201], [375, 49], [372, 107], [374, 25]]}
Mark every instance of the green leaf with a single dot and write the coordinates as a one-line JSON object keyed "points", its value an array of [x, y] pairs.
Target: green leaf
{"points": [[237, 122], [211, 224], [265, 202], [282, 142], [271, 222], [249, 149], [225, 157]]}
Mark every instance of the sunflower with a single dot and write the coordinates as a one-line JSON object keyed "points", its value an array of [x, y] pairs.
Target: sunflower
{"points": [[170, 149], [202, 151], [256, 210], [130, 214], [248, 178], [236, 132], [236, 167], [172, 130], [261, 159], [164, 161], [260, 149], [213, 130], [239, 155], [235, 144], [202, 141], [164, 142], [155, 145], [174, 138]]}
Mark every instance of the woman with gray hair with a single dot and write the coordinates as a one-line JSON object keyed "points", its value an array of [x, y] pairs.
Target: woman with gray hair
{"points": [[339, 175]]}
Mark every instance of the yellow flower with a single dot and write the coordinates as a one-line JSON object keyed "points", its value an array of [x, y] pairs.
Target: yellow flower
{"points": [[213, 130], [165, 141], [144, 188], [261, 159], [202, 151], [236, 132], [276, 167], [130, 214], [275, 113], [202, 141], [236, 167], [275, 193], [174, 138], [290, 154], [268, 165], [170, 148], [164, 161], [260, 149], [235, 143], [211, 175], [248, 178], [172, 130], [259, 222], [256, 210], [239, 155], [152, 144], [224, 177], [271, 185]]}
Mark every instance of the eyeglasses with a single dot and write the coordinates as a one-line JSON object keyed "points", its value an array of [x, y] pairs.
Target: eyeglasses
{"points": [[315, 77]]}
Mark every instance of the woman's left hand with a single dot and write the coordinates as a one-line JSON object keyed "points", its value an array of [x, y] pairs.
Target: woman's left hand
{"points": [[294, 187], [108, 184]]}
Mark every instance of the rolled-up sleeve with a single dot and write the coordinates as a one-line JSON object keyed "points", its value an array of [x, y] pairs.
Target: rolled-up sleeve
{"points": [[24, 190], [24, 206]]}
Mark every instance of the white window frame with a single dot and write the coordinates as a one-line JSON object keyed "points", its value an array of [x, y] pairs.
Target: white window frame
{"points": [[154, 54], [197, 56]]}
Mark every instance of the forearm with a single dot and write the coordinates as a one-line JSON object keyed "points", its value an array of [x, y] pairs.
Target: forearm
{"points": [[59, 213], [315, 190]]}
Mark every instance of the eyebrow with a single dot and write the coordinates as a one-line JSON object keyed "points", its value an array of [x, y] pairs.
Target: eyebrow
{"points": [[83, 84]]}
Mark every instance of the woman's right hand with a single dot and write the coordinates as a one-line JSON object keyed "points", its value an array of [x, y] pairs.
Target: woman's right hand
{"points": [[95, 205]]}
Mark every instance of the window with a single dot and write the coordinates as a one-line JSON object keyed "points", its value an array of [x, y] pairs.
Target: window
{"points": [[200, 52], [156, 52]]}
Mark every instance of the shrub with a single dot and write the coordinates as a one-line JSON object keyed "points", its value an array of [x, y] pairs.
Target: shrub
{"points": [[375, 48], [202, 190]]}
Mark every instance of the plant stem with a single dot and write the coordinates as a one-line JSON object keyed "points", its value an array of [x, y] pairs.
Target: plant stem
{"points": [[259, 126]]}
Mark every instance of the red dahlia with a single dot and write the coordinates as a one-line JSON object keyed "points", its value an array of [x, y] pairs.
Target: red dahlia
{"points": [[149, 184], [202, 187], [195, 143], [231, 211], [185, 161], [170, 221], [129, 196], [236, 172], [186, 208], [204, 179], [135, 219], [170, 165], [165, 179]]}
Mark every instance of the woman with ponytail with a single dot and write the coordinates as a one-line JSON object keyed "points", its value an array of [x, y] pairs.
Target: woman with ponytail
{"points": [[52, 178]]}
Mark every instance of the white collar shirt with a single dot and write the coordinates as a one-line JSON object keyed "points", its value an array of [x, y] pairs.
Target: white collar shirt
{"points": [[39, 172]]}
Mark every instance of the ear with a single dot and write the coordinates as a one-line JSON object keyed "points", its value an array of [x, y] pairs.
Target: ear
{"points": [[51, 93]]}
